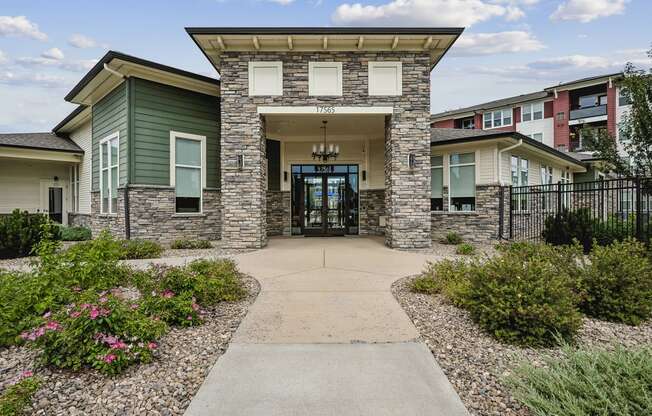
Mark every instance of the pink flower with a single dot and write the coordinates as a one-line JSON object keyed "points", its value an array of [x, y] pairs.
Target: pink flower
{"points": [[76, 289], [152, 345], [109, 358], [26, 374], [103, 299], [110, 339], [167, 293], [189, 317], [118, 345], [75, 314], [39, 332], [105, 312], [134, 306], [47, 314], [85, 306], [53, 326], [195, 307], [94, 313]]}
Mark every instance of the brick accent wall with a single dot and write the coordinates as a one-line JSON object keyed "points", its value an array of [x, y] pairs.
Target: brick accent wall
{"points": [[561, 104], [278, 212], [445, 124], [611, 110], [372, 207], [408, 190]]}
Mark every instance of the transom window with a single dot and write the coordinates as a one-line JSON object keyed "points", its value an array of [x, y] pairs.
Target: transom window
{"points": [[109, 162], [437, 183], [497, 118], [532, 111], [462, 182], [187, 173]]}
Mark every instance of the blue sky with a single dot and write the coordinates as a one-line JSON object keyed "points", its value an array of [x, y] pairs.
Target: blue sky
{"points": [[509, 46]]}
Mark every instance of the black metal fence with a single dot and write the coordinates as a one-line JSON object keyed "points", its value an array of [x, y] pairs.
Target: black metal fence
{"points": [[617, 207]]}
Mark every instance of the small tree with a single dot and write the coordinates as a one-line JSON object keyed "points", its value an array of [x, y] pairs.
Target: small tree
{"points": [[635, 155]]}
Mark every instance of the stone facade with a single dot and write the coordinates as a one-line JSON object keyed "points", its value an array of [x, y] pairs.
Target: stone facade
{"points": [[152, 216], [79, 220], [479, 226], [278, 212], [372, 207], [242, 133]]}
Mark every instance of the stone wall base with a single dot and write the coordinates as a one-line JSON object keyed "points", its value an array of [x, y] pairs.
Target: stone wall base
{"points": [[79, 220], [372, 207], [279, 212]]}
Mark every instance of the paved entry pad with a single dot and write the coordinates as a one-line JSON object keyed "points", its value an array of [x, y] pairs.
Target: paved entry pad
{"points": [[326, 379]]}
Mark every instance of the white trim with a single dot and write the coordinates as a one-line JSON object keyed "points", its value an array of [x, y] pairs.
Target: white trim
{"points": [[108, 139], [324, 110], [586, 120], [398, 87], [312, 78], [475, 176], [502, 118], [173, 165], [275, 89], [531, 105]]}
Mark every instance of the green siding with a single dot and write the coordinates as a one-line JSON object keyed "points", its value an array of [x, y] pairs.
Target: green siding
{"points": [[158, 109], [109, 116]]}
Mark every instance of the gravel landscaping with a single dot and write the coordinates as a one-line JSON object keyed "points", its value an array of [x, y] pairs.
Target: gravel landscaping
{"points": [[475, 362], [163, 387]]}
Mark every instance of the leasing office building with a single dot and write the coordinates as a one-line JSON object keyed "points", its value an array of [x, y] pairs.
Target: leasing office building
{"points": [[308, 131]]}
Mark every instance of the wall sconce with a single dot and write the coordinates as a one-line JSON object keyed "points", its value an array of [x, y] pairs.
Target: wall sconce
{"points": [[364, 175], [240, 162], [412, 160], [285, 176], [56, 179]]}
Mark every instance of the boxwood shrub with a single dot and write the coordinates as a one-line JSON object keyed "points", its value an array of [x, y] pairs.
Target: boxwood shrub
{"points": [[75, 233], [191, 244], [21, 231], [140, 249]]}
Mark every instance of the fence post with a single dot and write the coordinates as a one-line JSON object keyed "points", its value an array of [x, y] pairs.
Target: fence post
{"points": [[511, 213], [639, 217], [558, 197], [501, 208]]}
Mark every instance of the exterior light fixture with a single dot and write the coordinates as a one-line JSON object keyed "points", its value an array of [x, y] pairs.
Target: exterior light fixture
{"points": [[325, 152], [364, 175], [240, 161], [412, 160], [285, 176]]}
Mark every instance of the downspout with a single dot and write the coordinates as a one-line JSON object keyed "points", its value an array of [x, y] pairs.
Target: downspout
{"points": [[500, 159]]}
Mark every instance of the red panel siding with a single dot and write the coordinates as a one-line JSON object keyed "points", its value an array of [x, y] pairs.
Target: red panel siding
{"points": [[611, 110], [561, 104], [517, 115], [446, 124], [547, 109], [478, 121]]}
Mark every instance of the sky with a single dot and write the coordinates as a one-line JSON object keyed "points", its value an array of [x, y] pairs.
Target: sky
{"points": [[509, 47]]}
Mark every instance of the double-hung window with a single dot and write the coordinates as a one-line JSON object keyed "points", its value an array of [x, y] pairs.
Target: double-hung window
{"points": [[437, 183], [74, 187], [533, 111], [187, 170], [565, 181], [497, 118], [109, 161], [546, 188], [537, 136], [462, 182], [520, 168]]}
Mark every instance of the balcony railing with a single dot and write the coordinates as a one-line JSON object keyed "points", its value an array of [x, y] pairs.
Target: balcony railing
{"points": [[598, 110]]}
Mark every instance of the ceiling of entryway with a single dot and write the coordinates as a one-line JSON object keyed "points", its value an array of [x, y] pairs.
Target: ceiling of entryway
{"points": [[301, 127]]}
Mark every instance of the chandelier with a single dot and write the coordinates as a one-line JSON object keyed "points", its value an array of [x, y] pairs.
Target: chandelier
{"points": [[323, 152]]}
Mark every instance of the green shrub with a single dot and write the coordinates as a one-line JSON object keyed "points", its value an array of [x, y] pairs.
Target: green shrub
{"points": [[171, 308], [452, 238], [75, 233], [566, 226], [587, 382], [425, 284], [21, 231], [191, 244], [140, 249], [465, 249], [17, 397], [618, 283], [523, 298], [448, 277], [99, 331]]}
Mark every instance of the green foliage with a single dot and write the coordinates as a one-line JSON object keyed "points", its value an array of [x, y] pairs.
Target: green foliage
{"points": [[140, 249], [17, 397], [21, 231], [425, 284], [618, 283], [100, 331], [587, 382], [448, 277], [465, 249], [566, 226], [171, 308], [75, 233], [191, 244], [452, 238]]}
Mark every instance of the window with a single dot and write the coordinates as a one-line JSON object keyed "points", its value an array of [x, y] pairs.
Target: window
{"points": [[462, 182], [560, 116], [325, 78], [265, 78], [588, 101], [565, 181], [532, 111], [74, 187], [187, 170], [520, 171], [624, 97], [536, 136], [498, 118], [109, 161], [385, 78], [546, 189], [437, 183], [467, 123]]}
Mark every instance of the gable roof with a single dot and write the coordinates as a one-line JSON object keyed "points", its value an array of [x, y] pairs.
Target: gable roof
{"points": [[494, 104], [40, 141], [442, 136], [74, 117]]}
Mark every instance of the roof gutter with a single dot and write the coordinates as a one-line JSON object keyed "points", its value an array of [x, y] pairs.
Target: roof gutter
{"points": [[500, 158], [114, 72]]}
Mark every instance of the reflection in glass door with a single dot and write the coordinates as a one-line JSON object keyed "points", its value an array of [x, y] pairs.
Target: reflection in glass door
{"points": [[336, 186], [314, 199]]}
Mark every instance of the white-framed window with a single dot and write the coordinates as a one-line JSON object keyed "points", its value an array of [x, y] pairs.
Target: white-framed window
{"points": [[532, 111], [385, 78], [188, 171], [624, 97], [536, 136], [109, 173], [565, 180], [497, 118], [520, 174], [461, 182], [437, 183], [325, 78], [468, 123], [74, 188], [265, 78], [546, 190]]}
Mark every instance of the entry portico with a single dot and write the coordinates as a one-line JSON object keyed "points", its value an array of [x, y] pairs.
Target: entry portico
{"points": [[371, 85]]}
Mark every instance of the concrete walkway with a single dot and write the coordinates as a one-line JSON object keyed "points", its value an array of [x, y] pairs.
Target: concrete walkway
{"points": [[326, 337]]}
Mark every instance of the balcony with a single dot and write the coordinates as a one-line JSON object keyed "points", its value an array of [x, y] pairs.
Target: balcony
{"points": [[580, 113]]}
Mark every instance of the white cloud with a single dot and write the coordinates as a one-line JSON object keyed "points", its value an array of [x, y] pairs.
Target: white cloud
{"points": [[474, 44], [79, 65], [514, 13], [587, 10], [20, 26], [53, 53], [3, 58], [83, 42], [572, 61], [282, 2], [45, 80], [418, 12]]}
